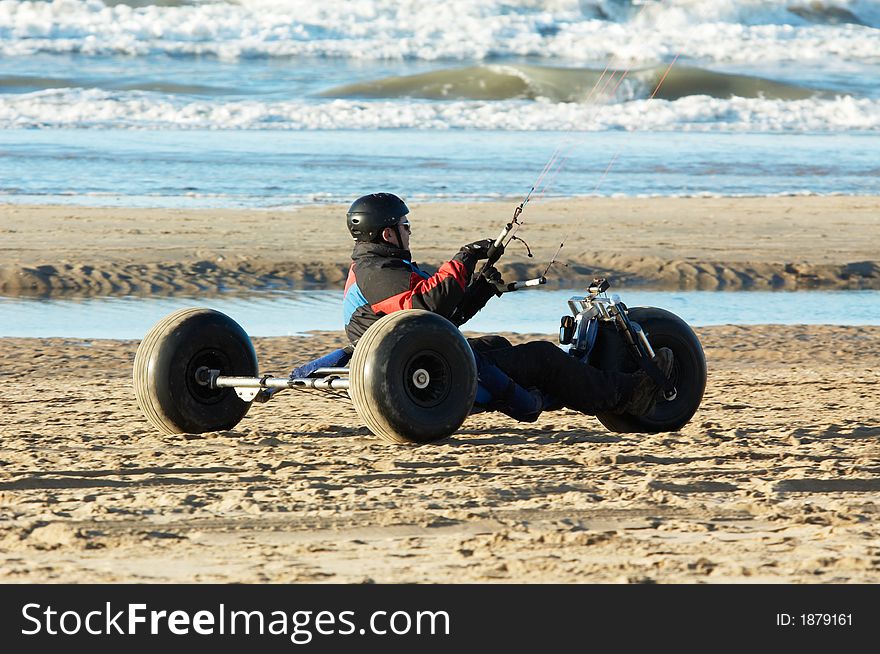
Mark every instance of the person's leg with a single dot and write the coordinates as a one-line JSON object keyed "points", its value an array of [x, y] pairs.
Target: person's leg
{"points": [[507, 396], [579, 386], [488, 343]]}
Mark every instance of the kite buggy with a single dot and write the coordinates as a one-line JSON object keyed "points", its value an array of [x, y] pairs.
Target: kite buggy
{"points": [[412, 377]]}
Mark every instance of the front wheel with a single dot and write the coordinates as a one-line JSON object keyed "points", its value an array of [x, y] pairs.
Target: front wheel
{"points": [[664, 329]]}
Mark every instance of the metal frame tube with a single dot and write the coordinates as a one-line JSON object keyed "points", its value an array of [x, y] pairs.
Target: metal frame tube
{"points": [[281, 382], [331, 371], [643, 338]]}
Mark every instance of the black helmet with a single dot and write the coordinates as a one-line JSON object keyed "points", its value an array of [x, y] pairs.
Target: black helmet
{"points": [[370, 214]]}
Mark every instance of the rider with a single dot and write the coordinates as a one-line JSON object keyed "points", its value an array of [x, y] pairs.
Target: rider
{"points": [[522, 378]]}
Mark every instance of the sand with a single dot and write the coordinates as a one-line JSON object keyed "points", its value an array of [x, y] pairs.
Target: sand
{"points": [[774, 480], [664, 243]]}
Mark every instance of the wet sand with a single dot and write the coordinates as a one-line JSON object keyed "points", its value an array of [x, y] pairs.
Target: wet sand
{"points": [[664, 243], [775, 480]]}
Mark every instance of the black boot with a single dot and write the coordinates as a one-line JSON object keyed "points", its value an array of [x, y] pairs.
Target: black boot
{"points": [[647, 392]]}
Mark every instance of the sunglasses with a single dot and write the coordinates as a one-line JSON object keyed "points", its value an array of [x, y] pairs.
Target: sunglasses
{"points": [[407, 227]]}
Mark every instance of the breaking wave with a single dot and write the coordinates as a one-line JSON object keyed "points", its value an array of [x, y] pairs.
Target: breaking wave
{"points": [[507, 82], [77, 108], [477, 30]]}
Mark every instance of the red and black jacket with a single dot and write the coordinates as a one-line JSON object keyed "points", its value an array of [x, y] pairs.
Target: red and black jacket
{"points": [[383, 279]]}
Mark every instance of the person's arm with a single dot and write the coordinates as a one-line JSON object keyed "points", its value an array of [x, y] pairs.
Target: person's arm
{"points": [[442, 292], [477, 294]]}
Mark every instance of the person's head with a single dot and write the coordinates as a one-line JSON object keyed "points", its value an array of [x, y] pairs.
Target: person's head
{"points": [[378, 218]]}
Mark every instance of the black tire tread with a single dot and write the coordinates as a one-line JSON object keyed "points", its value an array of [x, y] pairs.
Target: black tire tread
{"points": [[145, 392], [358, 384]]}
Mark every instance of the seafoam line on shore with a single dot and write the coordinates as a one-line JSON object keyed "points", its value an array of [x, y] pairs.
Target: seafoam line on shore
{"points": [[92, 108]]}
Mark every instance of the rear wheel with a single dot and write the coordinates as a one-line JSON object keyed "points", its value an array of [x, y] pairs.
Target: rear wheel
{"points": [[413, 377], [664, 329], [169, 368]]}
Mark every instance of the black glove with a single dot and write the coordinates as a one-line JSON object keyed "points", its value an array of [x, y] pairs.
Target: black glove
{"points": [[480, 249], [477, 294], [494, 279]]}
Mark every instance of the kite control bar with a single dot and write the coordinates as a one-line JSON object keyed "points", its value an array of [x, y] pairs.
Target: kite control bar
{"points": [[518, 286]]}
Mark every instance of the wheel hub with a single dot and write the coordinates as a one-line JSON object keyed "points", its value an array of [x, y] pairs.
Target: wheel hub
{"points": [[198, 375], [421, 378], [427, 379], [203, 376]]}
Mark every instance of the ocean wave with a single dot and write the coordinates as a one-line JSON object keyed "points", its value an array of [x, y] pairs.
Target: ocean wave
{"points": [[77, 108], [584, 30], [508, 82], [29, 83], [745, 12]]}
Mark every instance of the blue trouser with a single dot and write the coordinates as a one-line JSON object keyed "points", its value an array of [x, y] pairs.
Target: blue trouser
{"points": [[496, 391]]}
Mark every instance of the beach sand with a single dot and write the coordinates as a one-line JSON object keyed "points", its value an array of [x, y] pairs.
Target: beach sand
{"points": [[774, 480], [668, 243]]}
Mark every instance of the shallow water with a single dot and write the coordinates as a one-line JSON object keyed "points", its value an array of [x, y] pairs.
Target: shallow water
{"points": [[277, 169], [533, 311], [266, 103]]}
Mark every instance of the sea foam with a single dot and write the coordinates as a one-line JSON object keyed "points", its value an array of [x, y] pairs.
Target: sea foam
{"points": [[580, 31], [91, 108]]}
